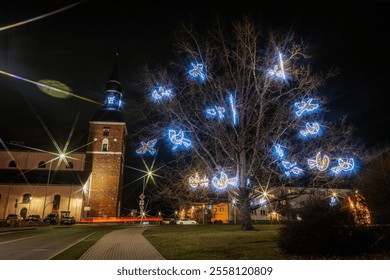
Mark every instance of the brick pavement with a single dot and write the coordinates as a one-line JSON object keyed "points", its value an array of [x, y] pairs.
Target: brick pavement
{"points": [[123, 244]]}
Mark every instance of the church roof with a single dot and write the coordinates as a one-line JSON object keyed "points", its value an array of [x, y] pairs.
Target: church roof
{"points": [[40, 177], [110, 112]]}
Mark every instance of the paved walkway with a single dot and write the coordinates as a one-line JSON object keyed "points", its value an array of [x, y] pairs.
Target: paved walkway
{"points": [[123, 244]]}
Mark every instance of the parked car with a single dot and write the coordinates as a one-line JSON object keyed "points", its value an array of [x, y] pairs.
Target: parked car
{"points": [[168, 222], [51, 218], [33, 218], [14, 217], [68, 221], [185, 222]]}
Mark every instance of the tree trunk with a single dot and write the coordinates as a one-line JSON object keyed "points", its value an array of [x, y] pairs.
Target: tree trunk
{"points": [[246, 223]]}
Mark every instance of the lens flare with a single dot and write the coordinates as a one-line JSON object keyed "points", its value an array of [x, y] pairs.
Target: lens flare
{"points": [[40, 17], [49, 87]]}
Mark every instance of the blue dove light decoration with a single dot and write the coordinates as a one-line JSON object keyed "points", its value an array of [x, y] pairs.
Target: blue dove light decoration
{"points": [[344, 165], [178, 139], [161, 93], [305, 106], [147, 147], [217, 112], [311, 129], [321, 163], [224, 181]]}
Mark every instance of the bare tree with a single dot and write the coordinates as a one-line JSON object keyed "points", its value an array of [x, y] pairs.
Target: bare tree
{"points": [[235, 96]]}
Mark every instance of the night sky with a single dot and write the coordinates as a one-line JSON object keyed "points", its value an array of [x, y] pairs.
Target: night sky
{"points": [[77, 47]]}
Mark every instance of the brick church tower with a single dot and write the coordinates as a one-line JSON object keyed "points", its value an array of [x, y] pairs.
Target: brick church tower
{"points": [[105, 152]]}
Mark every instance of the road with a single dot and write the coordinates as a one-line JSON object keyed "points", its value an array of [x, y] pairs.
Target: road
{"points": [[41, 243]]}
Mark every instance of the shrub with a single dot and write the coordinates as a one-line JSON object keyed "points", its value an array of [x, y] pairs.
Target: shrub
{"points": [[330, 231]]}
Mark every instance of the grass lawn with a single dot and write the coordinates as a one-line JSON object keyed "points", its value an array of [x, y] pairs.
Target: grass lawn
{"points": [[215, 242]]}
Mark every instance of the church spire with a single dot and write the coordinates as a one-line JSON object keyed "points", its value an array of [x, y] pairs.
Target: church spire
{"points": [[113, 92]]}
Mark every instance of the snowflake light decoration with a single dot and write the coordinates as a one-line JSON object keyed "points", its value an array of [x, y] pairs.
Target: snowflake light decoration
{"points": [[147, 147], [305, 106], [161, 93], [178, 139], [321, 163], [223, 181], [311, 129], [217, 112], [197, 71], [197, 182], [344, 165]]}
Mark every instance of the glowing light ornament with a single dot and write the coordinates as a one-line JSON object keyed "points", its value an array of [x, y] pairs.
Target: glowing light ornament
{"points": [[305, 107], [344, 165], [295, 171], [321, 163], [311, 129], [233, 109], [177, 139], [147, 147], [279, 151], [291, 168], [197, 71], [288, 165], [161, 93], [223, 181], [333, 201], [278, 70], [197, 182], [217, 112]]}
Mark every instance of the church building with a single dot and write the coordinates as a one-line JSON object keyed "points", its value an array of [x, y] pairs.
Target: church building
{"points": [[84, 185]]}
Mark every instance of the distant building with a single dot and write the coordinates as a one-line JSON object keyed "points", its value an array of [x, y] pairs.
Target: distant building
{"points": [[84, 185], [225, 211]]}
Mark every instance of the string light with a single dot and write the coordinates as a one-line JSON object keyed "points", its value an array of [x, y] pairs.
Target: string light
{"points": [[305, 107], [161, 93], [147, 147], [288, 165], [177, 139], [224, 181], [197, 71], [344, 165], [197, 182], [321, 163], [295, 170], [217, 112], [311, 129], [278, 70], [279, 151], [233, 109], [291, 168]]}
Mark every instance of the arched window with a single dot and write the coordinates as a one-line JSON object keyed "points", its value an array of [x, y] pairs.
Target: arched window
{"points": [[42, 164], [69, 165], [56, 202], [12, 163], [105, 145], [26, 198]]}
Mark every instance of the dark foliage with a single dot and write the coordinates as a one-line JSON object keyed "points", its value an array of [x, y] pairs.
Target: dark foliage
{"points": [[330, 231]]}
